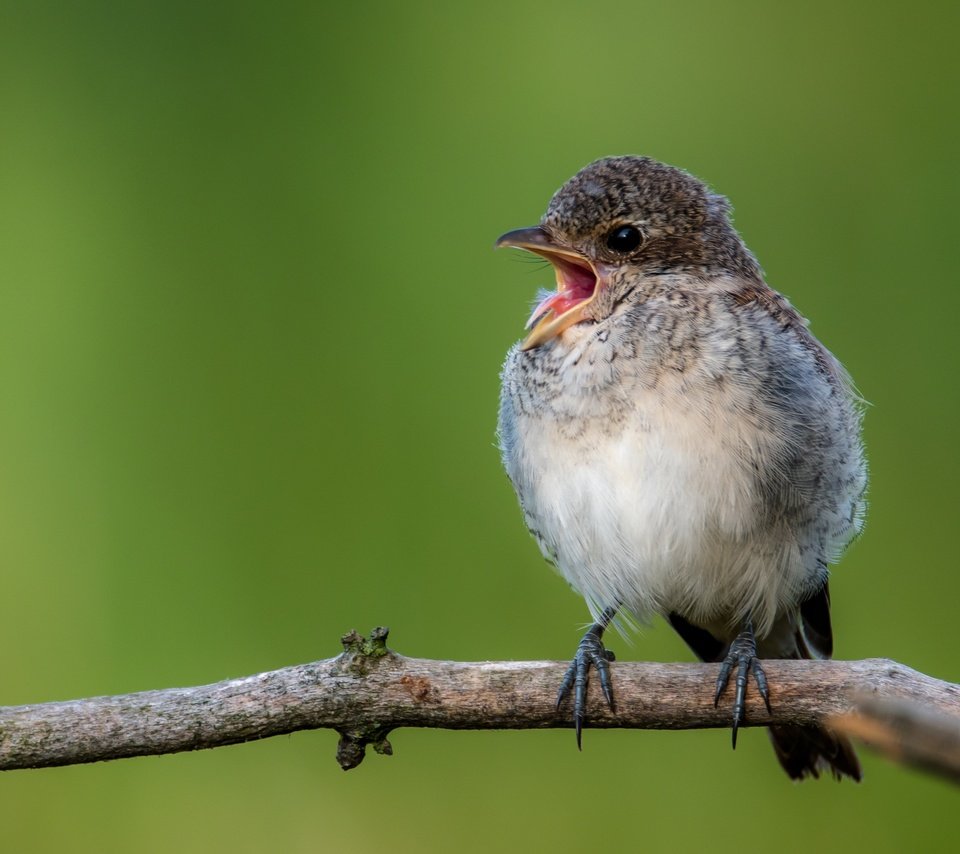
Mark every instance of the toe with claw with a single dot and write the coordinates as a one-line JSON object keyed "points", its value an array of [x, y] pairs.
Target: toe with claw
{"points": [[742, 655], [590, 652]]}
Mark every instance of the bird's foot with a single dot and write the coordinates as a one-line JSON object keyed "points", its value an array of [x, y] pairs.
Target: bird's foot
{"points": [[591, 651], [743, 654]]}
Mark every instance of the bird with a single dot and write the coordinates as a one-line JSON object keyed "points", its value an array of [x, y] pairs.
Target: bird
{"points": [[680, 443]]}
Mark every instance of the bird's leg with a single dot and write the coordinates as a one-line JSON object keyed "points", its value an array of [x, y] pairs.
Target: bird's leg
{"points": [[743, 654], [590, 651]]}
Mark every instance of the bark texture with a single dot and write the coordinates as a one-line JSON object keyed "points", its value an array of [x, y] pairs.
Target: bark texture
{"points": [[369, 690]]}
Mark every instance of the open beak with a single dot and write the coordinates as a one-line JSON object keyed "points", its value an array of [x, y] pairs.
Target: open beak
{"points": [[577, 284]]}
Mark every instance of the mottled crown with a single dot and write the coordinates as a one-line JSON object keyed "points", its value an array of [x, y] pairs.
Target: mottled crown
{"points": [[684, 224]]}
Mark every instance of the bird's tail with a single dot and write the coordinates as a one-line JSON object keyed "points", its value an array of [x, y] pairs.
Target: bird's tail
{"points": [[807, 750]]}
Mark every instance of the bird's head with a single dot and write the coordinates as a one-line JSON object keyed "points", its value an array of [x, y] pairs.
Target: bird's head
{"points": [[616, 222]]}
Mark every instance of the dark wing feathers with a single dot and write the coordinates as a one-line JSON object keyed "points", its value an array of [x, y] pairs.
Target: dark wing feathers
{"points": [[817, 630]]}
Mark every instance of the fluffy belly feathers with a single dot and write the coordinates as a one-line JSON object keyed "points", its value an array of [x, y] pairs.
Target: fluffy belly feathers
{"points": [[661, 516]]}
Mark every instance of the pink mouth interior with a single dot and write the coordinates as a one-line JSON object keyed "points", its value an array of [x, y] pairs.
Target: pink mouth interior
{"points": [[576, 285]]}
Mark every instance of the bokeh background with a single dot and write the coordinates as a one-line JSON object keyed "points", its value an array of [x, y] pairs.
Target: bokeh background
{"points": [[250, 331]]}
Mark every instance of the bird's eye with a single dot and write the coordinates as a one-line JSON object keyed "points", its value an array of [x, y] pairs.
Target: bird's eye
{"points": [[624, 239]]}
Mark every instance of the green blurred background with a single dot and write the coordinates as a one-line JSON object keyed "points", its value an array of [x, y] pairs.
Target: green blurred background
{"points": [[250, 332]]}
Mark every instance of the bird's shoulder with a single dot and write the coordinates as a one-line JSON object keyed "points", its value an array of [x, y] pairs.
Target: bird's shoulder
{"points": [[756, 298]]}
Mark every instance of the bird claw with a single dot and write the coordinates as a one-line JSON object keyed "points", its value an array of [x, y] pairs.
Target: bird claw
{"points": [[743, 654], [590, 651]]}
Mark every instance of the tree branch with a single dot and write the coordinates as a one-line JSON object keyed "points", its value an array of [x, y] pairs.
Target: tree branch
{"points": [[369, 690]]}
